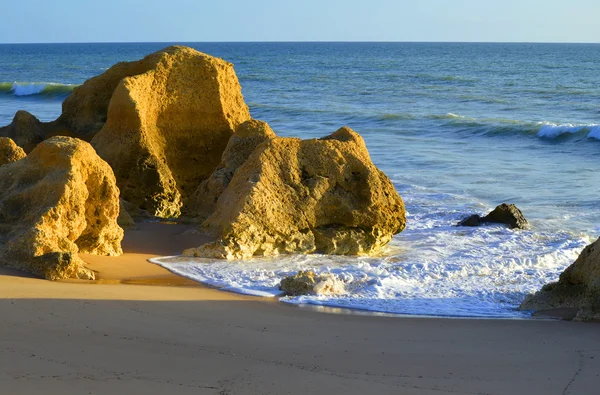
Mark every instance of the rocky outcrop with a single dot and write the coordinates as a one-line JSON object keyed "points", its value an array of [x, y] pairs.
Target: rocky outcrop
{"points": [[303, 196], [9, 151], [59, 200], [162, 123], [507, 214], [578, 287], [309, 283], [166, 127], [25, 130], [247, 137]]}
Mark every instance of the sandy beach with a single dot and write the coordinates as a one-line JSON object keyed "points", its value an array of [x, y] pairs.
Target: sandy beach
{"points": [[171, 335]]}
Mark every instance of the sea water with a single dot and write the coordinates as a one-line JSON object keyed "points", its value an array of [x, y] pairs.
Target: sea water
{"points": [[459, 128]]}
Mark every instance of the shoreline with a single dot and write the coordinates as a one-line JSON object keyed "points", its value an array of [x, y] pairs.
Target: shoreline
{"points": [[140, 329], [149, 241], [71, 338]]}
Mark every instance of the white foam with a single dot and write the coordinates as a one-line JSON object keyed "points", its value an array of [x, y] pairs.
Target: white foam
{"points": [[553, 130], [432, 268], [27, 89]]}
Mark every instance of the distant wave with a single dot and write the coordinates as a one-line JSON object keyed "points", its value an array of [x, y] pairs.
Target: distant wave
{"points": [[390, 116], [445, 78], [497, 126], [50, 89]]}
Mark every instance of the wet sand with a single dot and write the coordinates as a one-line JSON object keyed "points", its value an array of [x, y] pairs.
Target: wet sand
{"points": [[171, 335]]}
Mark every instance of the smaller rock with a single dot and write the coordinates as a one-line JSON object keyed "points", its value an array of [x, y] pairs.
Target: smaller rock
{"points": [[9, 151], [473, 220], [306, 282], [60, 200], [507, 214], [124, 220], [26, 130]]}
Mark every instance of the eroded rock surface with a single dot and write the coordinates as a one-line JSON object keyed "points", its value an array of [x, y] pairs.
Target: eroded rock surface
{"points": [[302, 196], [507, 214], [578, 287], [166, 127], [9, 151], [59, 200], [247, 137]]}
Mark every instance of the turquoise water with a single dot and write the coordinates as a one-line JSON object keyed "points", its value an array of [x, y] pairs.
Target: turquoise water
{"points": [[459, 128]]}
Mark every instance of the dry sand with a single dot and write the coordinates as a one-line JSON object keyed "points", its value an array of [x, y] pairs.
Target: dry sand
{"points": [[182, 338]]}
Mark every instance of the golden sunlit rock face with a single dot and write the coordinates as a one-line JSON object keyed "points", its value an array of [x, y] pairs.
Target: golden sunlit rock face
{"points": [[302, 196], [161, 122], [9, 151], [167, 127], [59, 200]]}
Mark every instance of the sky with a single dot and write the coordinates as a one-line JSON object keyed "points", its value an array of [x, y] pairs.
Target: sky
{"points": [[43, 21]]}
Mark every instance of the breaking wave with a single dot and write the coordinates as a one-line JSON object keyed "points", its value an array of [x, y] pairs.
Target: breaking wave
{"points": [[49, 89], [499, 126]]}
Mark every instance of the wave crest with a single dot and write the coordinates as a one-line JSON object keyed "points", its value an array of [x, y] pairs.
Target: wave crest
{"points": [[498, 126], [553, 130], [52, 89]]}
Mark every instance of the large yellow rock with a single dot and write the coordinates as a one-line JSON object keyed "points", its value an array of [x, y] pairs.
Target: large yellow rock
{"points": [[166, 127], [161, 122], [59, 200], [578, 287], [303, 196], [9, 151]]}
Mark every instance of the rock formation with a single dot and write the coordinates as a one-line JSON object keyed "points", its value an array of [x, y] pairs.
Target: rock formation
{"points": [[167, 127], [125, 220], [307, 282], [59, 200], [303, 196], [162, 123], [578, 287], [25, 130], [9, 151], [507, 214], [247, 137]]}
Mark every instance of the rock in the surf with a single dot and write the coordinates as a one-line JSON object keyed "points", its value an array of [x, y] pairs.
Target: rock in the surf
{"points": [[307, 283], [507, 214], [9, 151], [167, 120], [303, 196], [578, 287], [59, 200], [246, 138]]}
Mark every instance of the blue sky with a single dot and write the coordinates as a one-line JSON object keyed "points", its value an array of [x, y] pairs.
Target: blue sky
{"points": [[299, 20]]}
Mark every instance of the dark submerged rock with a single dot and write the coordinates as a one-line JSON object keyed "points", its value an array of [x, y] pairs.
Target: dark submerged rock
{"points": [[507, 214]]}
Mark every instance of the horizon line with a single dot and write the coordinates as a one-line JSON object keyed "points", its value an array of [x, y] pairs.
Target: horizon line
{"points": [[301, 42]]}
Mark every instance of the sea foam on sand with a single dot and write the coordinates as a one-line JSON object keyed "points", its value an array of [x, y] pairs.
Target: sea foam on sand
{"points": [[432, 268]]}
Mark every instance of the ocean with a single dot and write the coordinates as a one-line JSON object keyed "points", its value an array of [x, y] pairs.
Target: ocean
{"points": [[458, 127]]}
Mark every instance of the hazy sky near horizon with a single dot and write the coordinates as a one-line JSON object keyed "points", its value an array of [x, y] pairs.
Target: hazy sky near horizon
{"points": [[32, 21]]}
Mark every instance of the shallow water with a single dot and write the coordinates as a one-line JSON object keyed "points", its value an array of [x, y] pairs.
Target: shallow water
{"points": [[459, 128]]}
